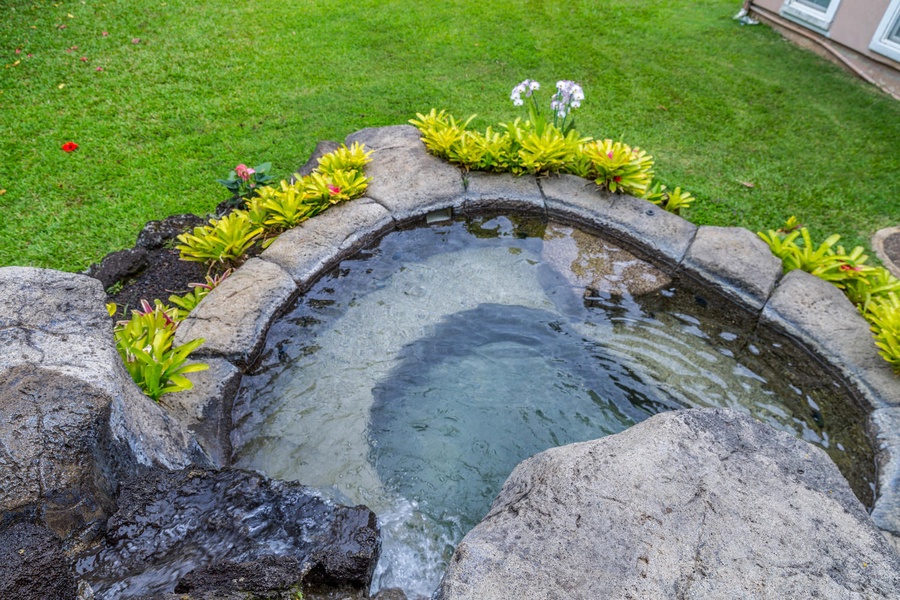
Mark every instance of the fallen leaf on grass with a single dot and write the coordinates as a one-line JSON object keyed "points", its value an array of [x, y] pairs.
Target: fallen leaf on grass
{"points": [[2, 192], [747, 184], [15, 64], [60, 86]]}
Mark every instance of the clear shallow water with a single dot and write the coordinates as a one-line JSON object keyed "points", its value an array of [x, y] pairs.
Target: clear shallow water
{"points": [[417, 375]]}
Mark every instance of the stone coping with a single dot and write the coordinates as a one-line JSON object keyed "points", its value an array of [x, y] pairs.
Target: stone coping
{"points": [[407, 183]]}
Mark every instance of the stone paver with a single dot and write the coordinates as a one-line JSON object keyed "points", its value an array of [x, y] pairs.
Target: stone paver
{"points": [[305, 252], [503, 191], [206, 408], [407, 180], [736, 261], [235, 316], [820, 316]]}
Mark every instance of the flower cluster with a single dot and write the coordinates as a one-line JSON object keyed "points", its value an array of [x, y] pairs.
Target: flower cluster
{"points": [[244, 172], [568, 96], [528, 87]]}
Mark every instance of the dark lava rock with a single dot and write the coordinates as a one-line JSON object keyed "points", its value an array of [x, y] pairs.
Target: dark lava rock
{"points": [[51, 469], [212, 522], [33, 565], [166, 274], [266, 575], [119, 265], [155, 234]]}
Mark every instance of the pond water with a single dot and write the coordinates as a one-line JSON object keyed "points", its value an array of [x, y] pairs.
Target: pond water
{"points": [[417, 374]]}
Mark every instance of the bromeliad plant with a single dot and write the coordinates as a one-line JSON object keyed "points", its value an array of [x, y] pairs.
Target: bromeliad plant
{"points": [[185, 304], [544, 144], [872, 289], [225, 242], [145, 343]]}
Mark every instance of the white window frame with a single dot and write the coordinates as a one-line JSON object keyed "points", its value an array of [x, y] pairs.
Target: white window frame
{"points": [[881, 43], [809, 16]]}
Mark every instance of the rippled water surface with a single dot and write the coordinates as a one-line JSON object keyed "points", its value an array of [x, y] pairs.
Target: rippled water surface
{"points": [[415, 376]]}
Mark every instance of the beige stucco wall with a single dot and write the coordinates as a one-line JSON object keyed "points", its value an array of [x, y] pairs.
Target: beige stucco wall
{"points": [[853, 26], [855, 23]]}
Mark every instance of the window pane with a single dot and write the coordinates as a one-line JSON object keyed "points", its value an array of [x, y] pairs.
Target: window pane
{"points": [[817, 4], [894, 34]]}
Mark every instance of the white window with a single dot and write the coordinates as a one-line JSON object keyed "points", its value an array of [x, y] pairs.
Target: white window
{"points": [[887, 36], [815, 14]]}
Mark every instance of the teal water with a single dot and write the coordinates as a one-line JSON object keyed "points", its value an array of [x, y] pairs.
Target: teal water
{"points": [[415, 376]]}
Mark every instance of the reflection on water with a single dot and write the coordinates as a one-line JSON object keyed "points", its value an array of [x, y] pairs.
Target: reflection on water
{"points": [[416, 375]]}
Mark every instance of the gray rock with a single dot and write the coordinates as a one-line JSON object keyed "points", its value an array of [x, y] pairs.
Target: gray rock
{"points": [[884, 427], [33, 565], [235, 316], [322, 148], [73, 412], [647, 227], [305, 252], [503, 192], [688, 504], [821, 317], [205, 410], [155, 234], [58, 320], [394, 136], [116, 266], [405, 179], [169, 524], [736, 261]]}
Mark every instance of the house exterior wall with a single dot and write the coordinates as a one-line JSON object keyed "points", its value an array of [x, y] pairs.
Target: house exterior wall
{"points": [[853, 26]]}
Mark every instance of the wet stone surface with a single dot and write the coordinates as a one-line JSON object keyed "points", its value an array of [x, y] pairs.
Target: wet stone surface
{"points": [[172, 523]]}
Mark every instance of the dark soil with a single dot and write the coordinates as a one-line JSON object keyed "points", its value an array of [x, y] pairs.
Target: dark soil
{"points": [[164, 275], [152, 270]]}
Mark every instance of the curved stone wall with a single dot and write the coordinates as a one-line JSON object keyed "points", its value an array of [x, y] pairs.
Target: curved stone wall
{"points": [[408, 183]]}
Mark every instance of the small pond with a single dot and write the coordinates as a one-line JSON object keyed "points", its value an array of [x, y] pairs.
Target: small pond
{"points": [[414, 376]]}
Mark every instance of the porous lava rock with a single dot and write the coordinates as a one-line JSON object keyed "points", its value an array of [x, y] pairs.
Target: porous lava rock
{"points": [[204, 529], [33, 565], [688, 504]]}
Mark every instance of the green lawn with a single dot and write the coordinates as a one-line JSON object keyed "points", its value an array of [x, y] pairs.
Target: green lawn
{"points": [[216, 83]]}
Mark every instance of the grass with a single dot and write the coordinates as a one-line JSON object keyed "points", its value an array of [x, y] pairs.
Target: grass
{"points": [[213, 84]]}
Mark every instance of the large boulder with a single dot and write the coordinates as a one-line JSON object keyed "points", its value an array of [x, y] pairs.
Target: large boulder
{"points": [[72, 422], [690, 504], [204, 530]]}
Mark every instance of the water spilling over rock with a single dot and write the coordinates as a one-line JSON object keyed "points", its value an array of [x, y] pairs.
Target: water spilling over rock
{"points": [[219, 522]]}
